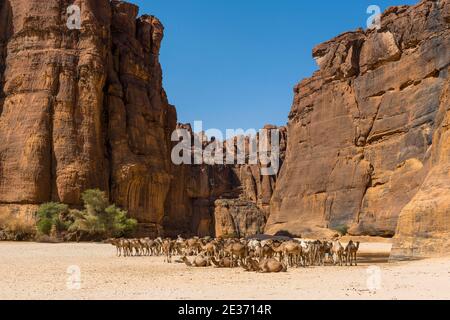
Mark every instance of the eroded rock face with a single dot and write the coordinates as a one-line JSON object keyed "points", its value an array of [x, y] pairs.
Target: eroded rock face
{"points": [[238, 218], [424, 223], [220, 199], [367, 133], [83, 109]]}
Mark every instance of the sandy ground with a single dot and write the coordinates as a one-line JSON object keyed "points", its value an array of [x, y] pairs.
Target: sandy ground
{"points": [[40, 271]]}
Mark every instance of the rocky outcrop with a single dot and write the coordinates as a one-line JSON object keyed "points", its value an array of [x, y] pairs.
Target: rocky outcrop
{"points": [[220, 199], [424, 223], [140, 117], [238, 218], [368, 145], [83, 108]]}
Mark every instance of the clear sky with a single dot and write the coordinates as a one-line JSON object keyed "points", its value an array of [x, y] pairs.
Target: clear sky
{"points": [[233, 63]]}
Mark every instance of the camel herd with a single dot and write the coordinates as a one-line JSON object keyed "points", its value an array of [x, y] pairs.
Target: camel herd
{"points": [[252, 255]]}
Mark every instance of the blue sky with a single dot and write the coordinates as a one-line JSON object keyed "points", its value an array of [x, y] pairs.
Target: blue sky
{"points": [[233, 63]]}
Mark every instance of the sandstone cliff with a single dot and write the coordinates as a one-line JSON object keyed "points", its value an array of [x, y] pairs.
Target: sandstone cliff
{"points": [[82, 108], [368, 147], [85, 108], [368, 144], [221, 200]]}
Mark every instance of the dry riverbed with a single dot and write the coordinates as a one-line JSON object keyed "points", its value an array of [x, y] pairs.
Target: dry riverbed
{"points": [[40, 271]]}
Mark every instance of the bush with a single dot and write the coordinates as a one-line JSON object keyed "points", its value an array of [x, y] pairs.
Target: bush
{"points": [[122, 226], [44, 226], [51, 215], [99, 219], [342, 229]]}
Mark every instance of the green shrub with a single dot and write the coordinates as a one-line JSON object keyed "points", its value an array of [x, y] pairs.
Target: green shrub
{"points": [[342, 229], [99, 218], [49, 215], [121, 225], [44, 226]]}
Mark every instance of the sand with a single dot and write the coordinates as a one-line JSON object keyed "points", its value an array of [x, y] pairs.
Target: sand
{"points": [[39, 271]]}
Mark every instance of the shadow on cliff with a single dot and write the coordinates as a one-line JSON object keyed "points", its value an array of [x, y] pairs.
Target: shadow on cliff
{"points": [[5, 33]]}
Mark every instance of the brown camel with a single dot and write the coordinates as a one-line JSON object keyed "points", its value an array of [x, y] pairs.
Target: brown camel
{"points": [[222, 263], [167, 248], [118, 244], [351, 252], [210, 249], [238, 251], [278, 249], [193, 246], [198, 262], [292, 252], [264, 266]]}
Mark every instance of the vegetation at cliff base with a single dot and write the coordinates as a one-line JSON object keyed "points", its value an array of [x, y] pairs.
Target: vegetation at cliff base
{"points": [[51, 216], [98, 220]]}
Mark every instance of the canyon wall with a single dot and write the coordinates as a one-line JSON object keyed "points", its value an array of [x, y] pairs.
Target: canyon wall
{"points": [[82, 109], [368, 146], [85, 108], [221, 200]]}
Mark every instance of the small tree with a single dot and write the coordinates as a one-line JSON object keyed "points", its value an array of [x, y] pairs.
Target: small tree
{"points": [[51, 215], [342, 229], [99, 218]]}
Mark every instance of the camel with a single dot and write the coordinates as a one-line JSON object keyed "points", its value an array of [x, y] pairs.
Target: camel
{"points": [[126, 247], [118, 244], [136, 246], [250, 265], [325, 252], [292, 252], [337, 251], [278, 249], [210, 249], [272, 266], [167, 248], [144, 244], [222, 263], [350, 253], [238, 250], [152, 247], [198, 262], [307, 253], [264, 266], [193, 246], [228, 253], [267, 251]]}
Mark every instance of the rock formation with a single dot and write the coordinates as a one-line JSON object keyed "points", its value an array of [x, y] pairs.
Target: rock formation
{"points": [[368, 141], [238, 218], [85, 108], [221, 199], [82, 108], [368, 147]]}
